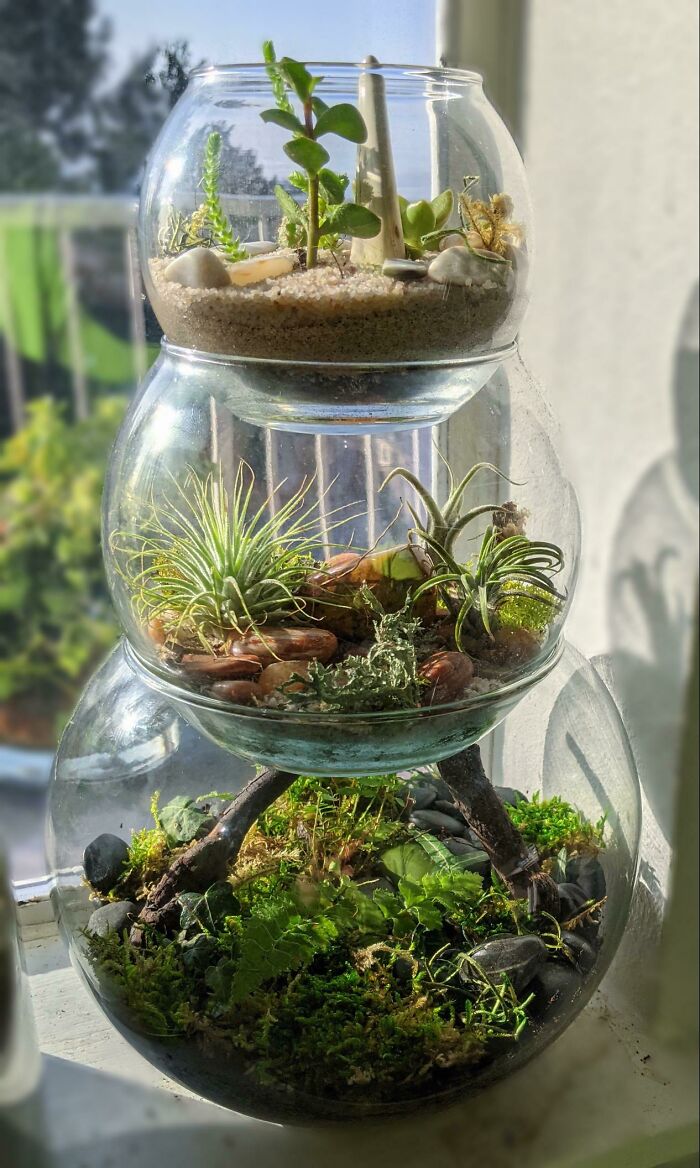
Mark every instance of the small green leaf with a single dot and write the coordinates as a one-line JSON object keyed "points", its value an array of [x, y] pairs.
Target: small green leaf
{"points": [[318, 106], [298, 77], [299, 180], [407, 861], [442, 206], [289, 206], [207, 910], [307, 153], [352, 219], [182, 821], [333, 186], [344, 120], [420, 218], [283, 118]]}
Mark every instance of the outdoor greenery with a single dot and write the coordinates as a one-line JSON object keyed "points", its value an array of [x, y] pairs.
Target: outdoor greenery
{"points": [[55, 618]]}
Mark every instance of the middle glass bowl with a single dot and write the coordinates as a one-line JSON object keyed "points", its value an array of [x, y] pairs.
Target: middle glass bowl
{"points": [[372, 598]]}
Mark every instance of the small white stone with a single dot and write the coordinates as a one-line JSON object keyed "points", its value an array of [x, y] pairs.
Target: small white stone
{"points": [[458, 265], [256, 247], [454, 240], [261, 268], [197, 268]]}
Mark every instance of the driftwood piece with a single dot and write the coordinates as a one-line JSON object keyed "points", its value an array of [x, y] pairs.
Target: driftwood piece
{"points": [[206, 861], [517, 864]]}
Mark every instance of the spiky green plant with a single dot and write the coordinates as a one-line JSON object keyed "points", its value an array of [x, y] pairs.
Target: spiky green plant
{"points": [[212, 562], [217, 220], [476, 593]]}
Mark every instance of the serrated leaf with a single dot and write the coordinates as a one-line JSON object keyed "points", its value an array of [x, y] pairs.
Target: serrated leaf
{"points": [[352, 219], [182, 820], [289, 206], [274, 942], [307, 153], [299, 180], [406, 861], [284, 118], [342, 119], [333, 186], [442, 206]]}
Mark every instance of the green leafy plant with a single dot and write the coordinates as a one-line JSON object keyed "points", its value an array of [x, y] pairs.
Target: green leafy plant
{"points": [[55, 617], [216, 218], [212, 561], [325, 215], [424, 222], [553, 824]]}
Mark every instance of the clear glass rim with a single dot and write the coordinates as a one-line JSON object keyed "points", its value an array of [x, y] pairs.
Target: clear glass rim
{"points": [[163, 684], [201, 356], [433, 72]]}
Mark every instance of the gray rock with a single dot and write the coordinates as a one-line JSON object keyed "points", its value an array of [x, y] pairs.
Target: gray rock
{"points": [[437, 819], [256, 247], [518, 957], [197, 268], [103, 860], [405, 269], [555, 986], [473, 858], [423, 797], [459, 265], [581, 950], [449, 809], [510, 795], [571, 900], [112, 918], [588, 873]]}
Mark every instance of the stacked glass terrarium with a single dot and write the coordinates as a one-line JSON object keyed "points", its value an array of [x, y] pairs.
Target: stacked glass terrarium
{"points": [[342, 546]]}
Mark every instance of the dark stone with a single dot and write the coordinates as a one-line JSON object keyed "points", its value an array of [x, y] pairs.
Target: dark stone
{"points": [[571, 901], [437, 820], [510, 795], [103, 860], [555, 986], [581, 950], [518, 957], [449, 809], [402, 969], [112, 918], [405, 269], [476, 860], [588, 873], [422, 797]]}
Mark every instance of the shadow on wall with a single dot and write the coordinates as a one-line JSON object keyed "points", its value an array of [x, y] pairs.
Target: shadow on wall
{"points": [[652, 593]]}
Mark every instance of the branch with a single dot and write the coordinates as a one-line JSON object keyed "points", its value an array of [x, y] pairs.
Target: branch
{"points": [[516, 863], [207, 861]]}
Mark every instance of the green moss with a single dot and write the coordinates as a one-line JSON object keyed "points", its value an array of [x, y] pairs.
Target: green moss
{"points": [[552, 824], [533, 609], [151, 983]]}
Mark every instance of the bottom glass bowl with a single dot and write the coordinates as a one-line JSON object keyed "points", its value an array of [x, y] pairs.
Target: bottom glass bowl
{"points": [[356, 959]]}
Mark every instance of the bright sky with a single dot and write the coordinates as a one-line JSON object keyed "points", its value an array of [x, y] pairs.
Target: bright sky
{"points": [[398, 31]]}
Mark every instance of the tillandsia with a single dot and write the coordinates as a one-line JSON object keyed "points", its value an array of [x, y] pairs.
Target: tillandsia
{"points": [[325, 215], [336, 940], [487, 225], [213, 563]]}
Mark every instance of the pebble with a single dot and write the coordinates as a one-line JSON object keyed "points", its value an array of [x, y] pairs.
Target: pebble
{"points": [[242, 693], [437, 819], [510, 795], [279, 673], [197, 268], [206, 665], [405, 269], [555, 987], [571, 900], [422, 797], [260, 268], [112, 918], [454, 240], [449, 808], [588, 873], [476, 860], [280, 644], [582, 951], [518, 957], [448, 674], [458, 265], [256, 247], [103, 860]]}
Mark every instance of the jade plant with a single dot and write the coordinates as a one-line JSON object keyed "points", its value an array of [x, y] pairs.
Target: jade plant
{"points": [[424, 222], [325, 215], [338, 945]]}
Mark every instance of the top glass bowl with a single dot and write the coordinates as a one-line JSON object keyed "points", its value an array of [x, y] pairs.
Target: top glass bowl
{"points": [[385, 220]]}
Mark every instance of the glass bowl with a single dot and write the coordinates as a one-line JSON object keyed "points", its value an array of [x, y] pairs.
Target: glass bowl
{"points": [[181, 467], [125, 741], [408, 160]]}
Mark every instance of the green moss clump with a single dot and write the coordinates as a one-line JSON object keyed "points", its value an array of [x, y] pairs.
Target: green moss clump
{"points": [[151, 983], [552, 824], [532, 609]]}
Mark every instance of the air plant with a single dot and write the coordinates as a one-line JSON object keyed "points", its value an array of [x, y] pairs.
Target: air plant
{"points": [[490, 222], [213, 564], [325, 213], [507, 567]]}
